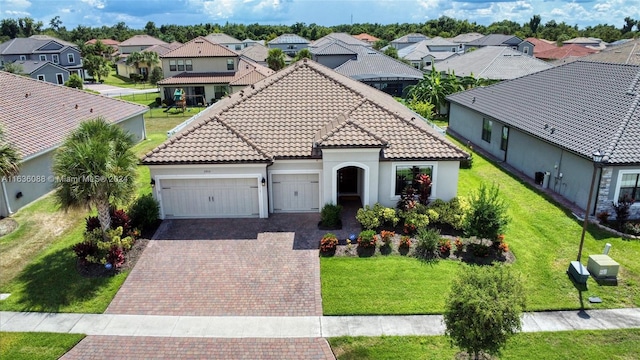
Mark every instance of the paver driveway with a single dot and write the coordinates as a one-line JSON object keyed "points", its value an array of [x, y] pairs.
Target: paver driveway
{"points": [[199, 276]]}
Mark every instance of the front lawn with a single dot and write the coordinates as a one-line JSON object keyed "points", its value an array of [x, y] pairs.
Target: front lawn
{"points": [[543, 237], [584, 345], [36, 346]]}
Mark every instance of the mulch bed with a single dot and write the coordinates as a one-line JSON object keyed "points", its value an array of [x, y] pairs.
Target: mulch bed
{"points": [[466, 255], [92, 270]]}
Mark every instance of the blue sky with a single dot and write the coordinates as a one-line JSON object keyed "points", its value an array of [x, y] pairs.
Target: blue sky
{"points": [[136, 13]]}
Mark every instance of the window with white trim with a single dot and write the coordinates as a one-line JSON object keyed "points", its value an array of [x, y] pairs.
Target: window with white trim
{"points": [[231, 64], [630, 186], [486, 130], [180, 65], [23, 57], [405, 175], [172, 65], [188, 64], [41, 78], [43, 57], [55, 58], [525, 50], [60, 78], [71, 58]]}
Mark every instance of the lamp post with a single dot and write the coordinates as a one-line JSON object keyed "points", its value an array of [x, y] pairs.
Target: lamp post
{"points": [[597, 159]]}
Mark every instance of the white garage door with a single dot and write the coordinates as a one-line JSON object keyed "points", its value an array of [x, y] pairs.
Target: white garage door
{"points": [[295, 192], [209, 198]]}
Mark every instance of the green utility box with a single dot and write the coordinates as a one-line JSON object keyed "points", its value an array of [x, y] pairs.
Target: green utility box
{"points": [[578, 272], [602, 266]]}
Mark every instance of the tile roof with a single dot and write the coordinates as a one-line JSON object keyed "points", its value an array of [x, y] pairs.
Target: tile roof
{"points": [[540, 45], [200, 47], [256, 52], [583, 41], [571, 50], [366, 37], [30, 45], [492, 40], [371, 64], [142, 40], [289, 39], [302, 107], [30, 66], [581, 106], [465, 38], [221, 38], [410, 38], [248, 73], [162, 49], [627, 53], [333, 48], [109, 42], [37, 115], [343, 37], [493, 62], [421, 49]]}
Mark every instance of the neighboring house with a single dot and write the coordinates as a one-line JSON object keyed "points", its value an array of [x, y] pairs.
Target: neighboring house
{"points": [[465, 38], [626, 53], [44, 71], [250, 42], [551, 122], [207, 71], [37, 116], [343, 37], [591, 43], [290, 44], [114, 44], [427, 52], [407, 40], [300, 139], [494, 63], [42, 48], [559, 55], [361, 62], [541, 45], [259, 53], [510, 41], [138, 43], [226, 40], [370, 39], [144, 69]]}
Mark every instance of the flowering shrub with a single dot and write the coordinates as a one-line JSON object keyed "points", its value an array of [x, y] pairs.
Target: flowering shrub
{"points": [[119, 218], [368, 218], [387, 236], [328, 243], [107, 249], [115, 256], [405, 242], [504, 247], [444, 246], [500, 238], [367, 239], [459, 244], [92, 223]]}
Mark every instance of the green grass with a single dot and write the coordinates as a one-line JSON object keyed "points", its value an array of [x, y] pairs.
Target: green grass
{"points": [[121, 81], [584, 345], [543, 236], [384, 285], [36, 346]]}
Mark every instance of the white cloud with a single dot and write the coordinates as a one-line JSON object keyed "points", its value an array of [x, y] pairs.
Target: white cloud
{"points": [[98, 4]]}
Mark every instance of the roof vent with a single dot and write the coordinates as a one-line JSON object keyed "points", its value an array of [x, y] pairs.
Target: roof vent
{"points": [[26, 95], [76, 106]]}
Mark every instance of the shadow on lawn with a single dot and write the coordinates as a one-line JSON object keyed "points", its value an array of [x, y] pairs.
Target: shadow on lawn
{"points": [[53, 282]]}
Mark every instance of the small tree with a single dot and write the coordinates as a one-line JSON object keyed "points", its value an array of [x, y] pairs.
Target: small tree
{"points": [[487, 216], [13, 68], [9, 157], [392, 52], [303, 54], [156, 75], [484, 309], [75, 81], [275, 59]]}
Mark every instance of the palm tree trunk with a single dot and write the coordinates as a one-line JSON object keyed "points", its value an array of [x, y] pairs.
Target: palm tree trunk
{"points": [[103, 214]]}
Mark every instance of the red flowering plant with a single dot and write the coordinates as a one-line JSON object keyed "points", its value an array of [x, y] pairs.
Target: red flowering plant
{"points": [[504, 247], [444, 245], [387, 236], [328, 243], [424, 188], [405, 242], [458, 244], [367, 239]]}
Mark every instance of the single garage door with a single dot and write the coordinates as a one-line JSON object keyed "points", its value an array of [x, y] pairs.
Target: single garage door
{"points": [[210, 198], [295, 192]]}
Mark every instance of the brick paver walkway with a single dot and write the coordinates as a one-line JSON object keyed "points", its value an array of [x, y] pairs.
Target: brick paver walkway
{"points": [[122, 347], [263, 277]]}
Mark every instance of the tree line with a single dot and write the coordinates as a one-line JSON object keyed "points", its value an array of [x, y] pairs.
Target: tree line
{"points": [[444, 26]]}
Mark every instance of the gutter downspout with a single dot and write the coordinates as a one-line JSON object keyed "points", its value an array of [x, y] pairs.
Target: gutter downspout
{"points": [[6, 198]]}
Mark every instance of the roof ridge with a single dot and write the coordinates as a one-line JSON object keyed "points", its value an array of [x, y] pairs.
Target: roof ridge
{"points": [[635, 105], [631, 53], [243, 138]]}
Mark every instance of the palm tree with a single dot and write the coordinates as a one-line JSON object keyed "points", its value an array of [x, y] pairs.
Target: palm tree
{"points": [[95, 167], [302, 54], [149, 58], [9, 157], [275, 59]]}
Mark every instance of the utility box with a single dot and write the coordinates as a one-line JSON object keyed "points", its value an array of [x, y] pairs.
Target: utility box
{"points": [[602, 266], [578, 272]]}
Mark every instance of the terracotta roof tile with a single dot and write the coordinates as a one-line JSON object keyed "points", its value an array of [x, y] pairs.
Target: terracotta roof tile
{"points": [[571, 50], [142, 40], [286, 113], [248, 73], [37, 115], [200, 47]]}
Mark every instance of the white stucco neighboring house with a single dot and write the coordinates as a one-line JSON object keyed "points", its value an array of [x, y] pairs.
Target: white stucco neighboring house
{"points": [[551, 122], [295, 141], [37, 116]]}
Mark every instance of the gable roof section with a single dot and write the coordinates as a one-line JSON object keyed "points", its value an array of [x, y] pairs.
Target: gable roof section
{"points": [[494, 40], [221, 38], [493, 62], [371, 64], [162, 49], [284, 115], [29, 67], [581, 107], [37, 115], [571, 50], [333, 48], [627, 53], [289, 39], [540, 45], [465, 38], [142, 40], [366, 37], [200, 47], [248, 73], [32, 45], [343, 37], [410, 38]]}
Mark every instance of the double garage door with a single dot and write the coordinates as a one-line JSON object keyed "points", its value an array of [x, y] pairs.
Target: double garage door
{"points": [[210, 198]]}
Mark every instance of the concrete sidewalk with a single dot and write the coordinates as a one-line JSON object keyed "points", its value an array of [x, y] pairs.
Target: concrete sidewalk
{"points": [[294, 327]]}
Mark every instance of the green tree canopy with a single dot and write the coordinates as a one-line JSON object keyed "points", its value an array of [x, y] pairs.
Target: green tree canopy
{"points": [[303, 54], [484, 309], [9, 157], [75, 81], [391, 51], [275, 59], [95, 167]]}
